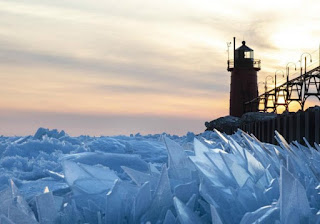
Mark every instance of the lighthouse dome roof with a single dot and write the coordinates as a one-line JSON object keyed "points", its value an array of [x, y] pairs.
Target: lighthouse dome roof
{"points": [[244, 47]]}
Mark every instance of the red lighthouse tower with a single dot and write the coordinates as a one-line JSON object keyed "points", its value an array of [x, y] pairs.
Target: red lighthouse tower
{"points": [[243, 87]]}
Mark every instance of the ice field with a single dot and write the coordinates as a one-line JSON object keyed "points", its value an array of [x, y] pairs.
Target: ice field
{"points": [[209, 178]]}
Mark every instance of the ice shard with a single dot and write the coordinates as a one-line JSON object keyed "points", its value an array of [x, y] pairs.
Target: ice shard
{"points": [[119, 202], [265, 215], [90, 216], [205, 166], [140, 178], [112, 160], [88, 179], [239, 174], [215, 215], [162, 200], [192, 201], [294, 205], [5, 220], [17, 216], [46, 207], [141, 202], [180, 167], [185, 191], [169, 218], [13, 202], [185, 214]]}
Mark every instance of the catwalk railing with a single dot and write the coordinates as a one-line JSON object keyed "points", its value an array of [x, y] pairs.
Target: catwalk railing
{"points": [[305, 83]]}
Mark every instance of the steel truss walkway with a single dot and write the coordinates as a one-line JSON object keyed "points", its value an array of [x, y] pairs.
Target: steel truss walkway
{"points": [[297, 89]]}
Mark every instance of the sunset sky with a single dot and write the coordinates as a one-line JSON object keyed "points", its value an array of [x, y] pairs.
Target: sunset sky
{"points": [[121, 67]]}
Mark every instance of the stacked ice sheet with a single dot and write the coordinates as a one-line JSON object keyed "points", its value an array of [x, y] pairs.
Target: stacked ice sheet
{"points": [[225, 179]]}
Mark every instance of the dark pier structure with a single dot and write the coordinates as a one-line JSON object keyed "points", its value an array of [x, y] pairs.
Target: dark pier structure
{"points": [[257, 114], [292, 126]]}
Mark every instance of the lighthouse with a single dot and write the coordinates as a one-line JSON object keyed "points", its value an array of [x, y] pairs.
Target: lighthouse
{"points": [[243, 87]]}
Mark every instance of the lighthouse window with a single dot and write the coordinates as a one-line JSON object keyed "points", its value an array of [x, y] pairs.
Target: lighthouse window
{"points": [[247, 54]]}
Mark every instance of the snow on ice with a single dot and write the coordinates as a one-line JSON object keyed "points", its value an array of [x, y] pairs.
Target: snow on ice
{"points": [[210, 178]]}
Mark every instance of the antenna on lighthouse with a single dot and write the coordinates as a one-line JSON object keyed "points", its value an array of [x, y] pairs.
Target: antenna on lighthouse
{"points": [[228, 45], [234, 48]]}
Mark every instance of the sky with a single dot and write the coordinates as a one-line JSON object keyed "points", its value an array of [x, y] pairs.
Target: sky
{"points": [[137, 66]]}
